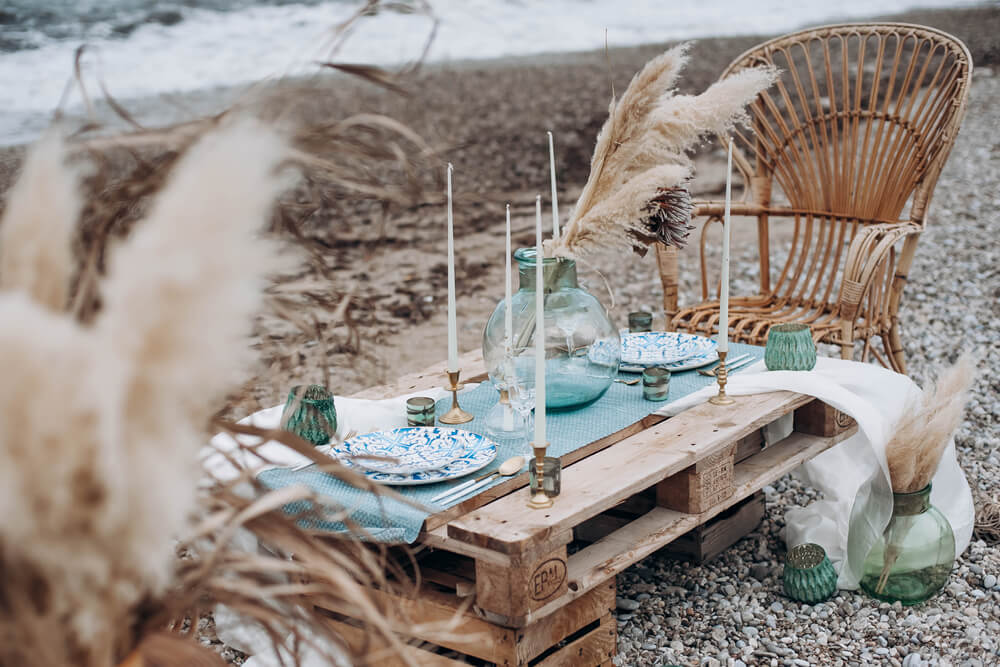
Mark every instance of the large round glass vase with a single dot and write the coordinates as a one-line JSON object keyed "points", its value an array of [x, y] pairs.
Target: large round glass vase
{"points": [[914, 556], [582, 347]]}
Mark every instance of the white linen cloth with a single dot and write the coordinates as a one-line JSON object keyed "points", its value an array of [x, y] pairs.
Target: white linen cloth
{"points": [[856, 469]]}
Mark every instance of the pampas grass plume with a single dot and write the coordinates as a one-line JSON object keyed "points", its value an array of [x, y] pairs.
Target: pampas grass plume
{"points": [[36, 253], [101, 425], [642, 149], [924, 431]]}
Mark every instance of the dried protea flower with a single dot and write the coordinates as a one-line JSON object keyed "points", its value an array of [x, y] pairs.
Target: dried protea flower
{"points": [[669, 218]]}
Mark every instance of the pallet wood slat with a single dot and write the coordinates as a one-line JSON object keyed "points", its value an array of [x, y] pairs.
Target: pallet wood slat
{"points": [[611, 475], [705, 542]]}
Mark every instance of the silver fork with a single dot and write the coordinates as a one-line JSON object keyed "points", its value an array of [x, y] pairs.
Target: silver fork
{"points": [[350, 434], [731, 365]]}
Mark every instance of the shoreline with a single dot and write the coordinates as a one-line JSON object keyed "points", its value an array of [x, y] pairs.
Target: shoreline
{"points": [[974, 25]]}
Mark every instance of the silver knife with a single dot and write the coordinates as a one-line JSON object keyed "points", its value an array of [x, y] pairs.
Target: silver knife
{"points": [[462, 493], [740, 364]]}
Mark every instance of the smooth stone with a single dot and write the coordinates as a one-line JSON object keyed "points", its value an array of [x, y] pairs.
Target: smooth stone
{"points": [[989, 581], [626, 605]]}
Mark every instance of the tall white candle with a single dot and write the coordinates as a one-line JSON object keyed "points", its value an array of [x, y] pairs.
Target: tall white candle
{"points": [[539, 329], [555, 197], [724, 295], [508, 321], [508, 330], [452, 319]]}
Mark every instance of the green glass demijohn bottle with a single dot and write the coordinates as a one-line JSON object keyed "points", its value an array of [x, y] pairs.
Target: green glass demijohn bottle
{"points": [[912, 559]]}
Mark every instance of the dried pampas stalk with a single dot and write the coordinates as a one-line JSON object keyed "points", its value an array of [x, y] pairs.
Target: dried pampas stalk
{"points": [[923, 432], [635, 193], [918, 442], [101, 426], [36, 253]]}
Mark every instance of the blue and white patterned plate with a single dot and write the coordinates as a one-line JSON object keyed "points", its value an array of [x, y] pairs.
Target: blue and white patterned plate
{"points": [[474, 452], [415, 449], [697, 361], [660, 348]]}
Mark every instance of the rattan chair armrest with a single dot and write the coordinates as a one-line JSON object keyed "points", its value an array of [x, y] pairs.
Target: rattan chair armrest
{"points": [[718, 208], [868, 250]]}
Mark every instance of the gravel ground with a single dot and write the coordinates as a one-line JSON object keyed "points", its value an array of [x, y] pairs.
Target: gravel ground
{"points": [[731, 611]]}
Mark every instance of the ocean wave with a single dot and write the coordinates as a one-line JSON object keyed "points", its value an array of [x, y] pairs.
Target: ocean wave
{"points": [[143, 48]]}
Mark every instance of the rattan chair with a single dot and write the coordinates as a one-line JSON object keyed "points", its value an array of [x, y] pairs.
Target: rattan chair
{"points": [[857, 129]]}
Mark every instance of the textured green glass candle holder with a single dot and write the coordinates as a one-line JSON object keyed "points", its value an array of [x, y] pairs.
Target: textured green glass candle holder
{"points": [[310, 414], [790, 347], [809, 575]]}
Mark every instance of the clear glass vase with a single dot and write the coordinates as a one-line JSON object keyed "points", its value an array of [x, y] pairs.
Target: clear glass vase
{"points": [[582, 346], [913, 558]]}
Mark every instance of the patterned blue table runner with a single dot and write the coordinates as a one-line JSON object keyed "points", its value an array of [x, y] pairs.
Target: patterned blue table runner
{"points": [[389, 520]]}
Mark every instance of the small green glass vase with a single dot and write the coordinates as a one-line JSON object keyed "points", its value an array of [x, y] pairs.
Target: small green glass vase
{"points": [[809, 575], [790, 347], [310, 414], [913, 558]]}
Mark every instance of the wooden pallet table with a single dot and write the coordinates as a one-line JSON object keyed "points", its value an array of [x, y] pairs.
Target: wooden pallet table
{"points": [[537, 587]]}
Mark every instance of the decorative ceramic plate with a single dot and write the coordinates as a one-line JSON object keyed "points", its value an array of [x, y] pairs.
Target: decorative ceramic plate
{"points": [[415, 449], [660, 348], [697, 361], [474, 452]]}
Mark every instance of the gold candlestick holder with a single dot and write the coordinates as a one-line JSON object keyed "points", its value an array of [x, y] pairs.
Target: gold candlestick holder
{"points": [[456, 415], [722, 378], [539, 499]]}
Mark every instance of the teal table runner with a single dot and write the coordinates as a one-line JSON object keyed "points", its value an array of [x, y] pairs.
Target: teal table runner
{"points": [[389, 520]]}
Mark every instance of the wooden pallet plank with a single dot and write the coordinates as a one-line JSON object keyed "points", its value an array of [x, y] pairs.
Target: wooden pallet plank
{"points": [[701, 486], [593, 649], [617, 551], [442, 619], [514, 483], [537, 638], [356, 639], [608, 477], [818, 418], [511, 591], [710, 539]]}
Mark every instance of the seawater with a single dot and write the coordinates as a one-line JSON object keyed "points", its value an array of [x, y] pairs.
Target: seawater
{"points": [[143, 48]]}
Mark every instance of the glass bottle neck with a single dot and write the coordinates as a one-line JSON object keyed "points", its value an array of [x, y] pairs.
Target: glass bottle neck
{"points": [[558, 272], [909, 504]]}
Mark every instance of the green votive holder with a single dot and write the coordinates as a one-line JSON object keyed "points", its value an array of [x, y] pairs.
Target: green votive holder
{"points": [[809, 575], [420, 411], [640, 321], [655, 384], [790, 347], [310, 414]]}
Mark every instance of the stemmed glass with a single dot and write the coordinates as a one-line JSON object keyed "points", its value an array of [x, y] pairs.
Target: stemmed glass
{"points": [[510, 420]]}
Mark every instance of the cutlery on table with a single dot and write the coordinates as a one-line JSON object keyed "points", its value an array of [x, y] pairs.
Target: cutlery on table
{"points": [[738, 362], [510, 467], [349, 435], [628, 382]]}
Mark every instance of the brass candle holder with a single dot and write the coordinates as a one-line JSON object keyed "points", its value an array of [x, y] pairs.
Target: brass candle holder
{"points": [[539, 499], [456, 415], [722, 378]]}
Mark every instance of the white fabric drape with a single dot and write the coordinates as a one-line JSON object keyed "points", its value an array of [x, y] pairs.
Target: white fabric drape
{"points": [[856, 469]]}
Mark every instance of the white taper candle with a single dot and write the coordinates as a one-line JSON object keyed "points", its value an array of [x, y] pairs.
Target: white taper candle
{"points": [[508, 329], [452, 318], [508, 315], [555, 195], [539, 329], [724, 294]]}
